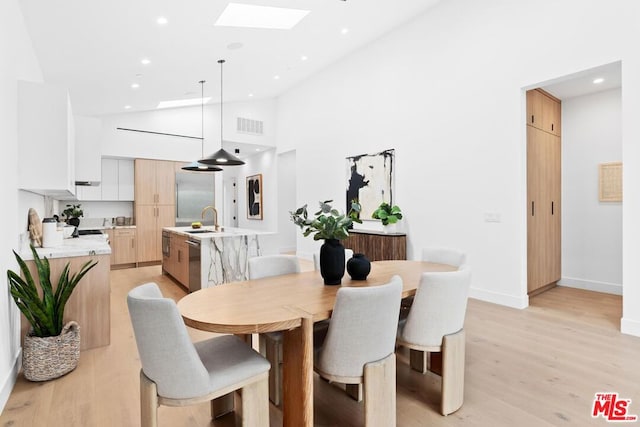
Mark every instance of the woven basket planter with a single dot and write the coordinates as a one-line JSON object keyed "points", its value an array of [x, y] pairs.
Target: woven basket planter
{"points": [[51, 357]]}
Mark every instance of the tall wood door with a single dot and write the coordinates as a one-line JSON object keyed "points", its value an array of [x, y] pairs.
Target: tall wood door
{"points": [[146, 230], [544, 198], [145, 182], [165, 183]]}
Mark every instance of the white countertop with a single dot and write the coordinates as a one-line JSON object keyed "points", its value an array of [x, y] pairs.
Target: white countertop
{"points": [[80, 246], [210, 234]]}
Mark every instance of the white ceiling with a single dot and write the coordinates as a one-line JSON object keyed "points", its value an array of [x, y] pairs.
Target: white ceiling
{"points": [[94, 48], [581, 83]]}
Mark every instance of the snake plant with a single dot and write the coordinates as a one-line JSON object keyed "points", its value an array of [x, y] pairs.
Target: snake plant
{"points": [[44, 313]]}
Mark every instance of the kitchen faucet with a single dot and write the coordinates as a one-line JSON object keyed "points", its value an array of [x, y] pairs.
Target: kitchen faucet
{"points": [[215, 216]]}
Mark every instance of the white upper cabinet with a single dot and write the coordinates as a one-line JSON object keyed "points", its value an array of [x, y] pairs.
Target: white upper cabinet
{"points": [[88, 154], [46, 152], [116, 182]]}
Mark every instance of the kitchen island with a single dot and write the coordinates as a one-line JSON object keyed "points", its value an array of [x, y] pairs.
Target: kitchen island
{"points": [[223, 255], [90, 303]]}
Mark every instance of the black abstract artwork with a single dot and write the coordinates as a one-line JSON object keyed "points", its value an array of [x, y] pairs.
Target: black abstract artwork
{"points": [[370, 181], [254, 197]]}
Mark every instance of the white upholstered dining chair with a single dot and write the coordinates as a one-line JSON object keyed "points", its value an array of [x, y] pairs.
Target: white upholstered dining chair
{"points": [[359, 347], [271, 342], [441, 255], [177, 372], [435, 324]]}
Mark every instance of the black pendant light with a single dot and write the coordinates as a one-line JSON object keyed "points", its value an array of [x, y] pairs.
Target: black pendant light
{"points": [[221, 157], [197, 166]]}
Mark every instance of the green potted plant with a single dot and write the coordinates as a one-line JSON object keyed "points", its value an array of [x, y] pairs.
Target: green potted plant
{"points": [[73, 213], [50, 348], [330, 225], [389, 215]]}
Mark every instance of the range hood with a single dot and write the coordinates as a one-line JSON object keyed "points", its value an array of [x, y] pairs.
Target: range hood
{"points": [[87, 183]]}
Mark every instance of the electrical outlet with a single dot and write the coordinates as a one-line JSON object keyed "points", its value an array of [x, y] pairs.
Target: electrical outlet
{"points": [[492, 217]]}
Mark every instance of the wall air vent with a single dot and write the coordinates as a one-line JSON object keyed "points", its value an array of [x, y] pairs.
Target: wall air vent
{"points": [[250, 126]]}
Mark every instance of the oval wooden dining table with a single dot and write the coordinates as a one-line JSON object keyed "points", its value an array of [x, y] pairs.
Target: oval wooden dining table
{"points": [[291, 304]]}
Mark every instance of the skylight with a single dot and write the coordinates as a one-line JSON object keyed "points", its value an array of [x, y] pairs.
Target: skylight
{"points": [[252, 16], [182, 102]]}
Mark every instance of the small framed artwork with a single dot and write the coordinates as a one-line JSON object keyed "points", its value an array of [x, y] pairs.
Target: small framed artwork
{"points": [[610, 177], [254, 196]]}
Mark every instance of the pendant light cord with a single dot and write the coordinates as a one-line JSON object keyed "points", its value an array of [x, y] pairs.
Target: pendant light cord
{"points": [[202, 82], [221, 61]]}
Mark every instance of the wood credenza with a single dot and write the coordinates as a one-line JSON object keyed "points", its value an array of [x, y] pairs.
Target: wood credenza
{"points": [[376, 245]]}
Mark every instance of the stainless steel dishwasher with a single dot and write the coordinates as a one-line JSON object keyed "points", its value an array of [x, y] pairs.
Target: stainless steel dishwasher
{"points": [[195, 279]]}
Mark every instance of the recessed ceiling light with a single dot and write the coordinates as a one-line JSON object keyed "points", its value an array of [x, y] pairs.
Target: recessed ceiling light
{"points": [[252, 16], [304, 58], [145, 61], [257, 149], [183, 102], [276, 77], [250, 95], [598, 80], [162, 20], [127, 107], [135, 85], [344, 31], [235, 46]]}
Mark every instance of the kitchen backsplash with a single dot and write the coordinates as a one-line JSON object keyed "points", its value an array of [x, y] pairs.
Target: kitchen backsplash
{"points": [[100, 210]]}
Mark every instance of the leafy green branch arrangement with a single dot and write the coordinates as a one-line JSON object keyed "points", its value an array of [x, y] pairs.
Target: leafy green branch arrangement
{"points": [[328, 222], [45, 314], [387, 214]]}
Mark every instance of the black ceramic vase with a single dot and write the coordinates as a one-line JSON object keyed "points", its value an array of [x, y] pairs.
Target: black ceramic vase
{"points": [[358, 267], [332, 261]]}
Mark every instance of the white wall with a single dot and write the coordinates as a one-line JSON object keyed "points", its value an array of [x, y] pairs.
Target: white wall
{"points": [[591, 230], [287, 231], [184, 121], [17, 62], [447, 92]]}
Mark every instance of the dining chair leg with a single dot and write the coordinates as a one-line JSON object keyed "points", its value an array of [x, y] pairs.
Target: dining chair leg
{"points": [[273, 353], [380, 392], [453, 360], [418, 360], [355, 391], [148, 402], [222, 405], [255, 404]]}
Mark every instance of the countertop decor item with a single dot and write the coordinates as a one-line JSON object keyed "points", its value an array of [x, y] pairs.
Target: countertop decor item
{"points": [[73, 213], [221, 157], [195, 165], [35, 228], [330, 225], [358, 267], [50, 349]]}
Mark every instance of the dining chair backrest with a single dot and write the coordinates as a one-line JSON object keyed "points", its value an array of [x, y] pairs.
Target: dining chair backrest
{"points": [[272, 265], [362, 329], [438, 308], [448, 256], [167, 354], [348, 253]]}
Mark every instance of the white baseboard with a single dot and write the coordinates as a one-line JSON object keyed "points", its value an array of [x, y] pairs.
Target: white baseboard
{"points": [[10, 381], [630, 327], [513, 301], [591, 285]]}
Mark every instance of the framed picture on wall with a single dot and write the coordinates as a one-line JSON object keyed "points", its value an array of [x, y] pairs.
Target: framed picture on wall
{"points": [[254, 196], [370, 180]]}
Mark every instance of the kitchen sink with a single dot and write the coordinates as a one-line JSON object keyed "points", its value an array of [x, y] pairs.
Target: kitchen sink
{"points": [[199, 231]]}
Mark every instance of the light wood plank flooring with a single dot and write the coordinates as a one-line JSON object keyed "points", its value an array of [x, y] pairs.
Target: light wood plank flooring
{"points": [[535, 367]]}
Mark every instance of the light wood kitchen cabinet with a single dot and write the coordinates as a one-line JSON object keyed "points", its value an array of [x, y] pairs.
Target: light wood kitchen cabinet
{"points": [[154, 206], [90, 302], [176, 264], [150, 219], [543, 111], [123, 246], [544, 197], [155, 182]]}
